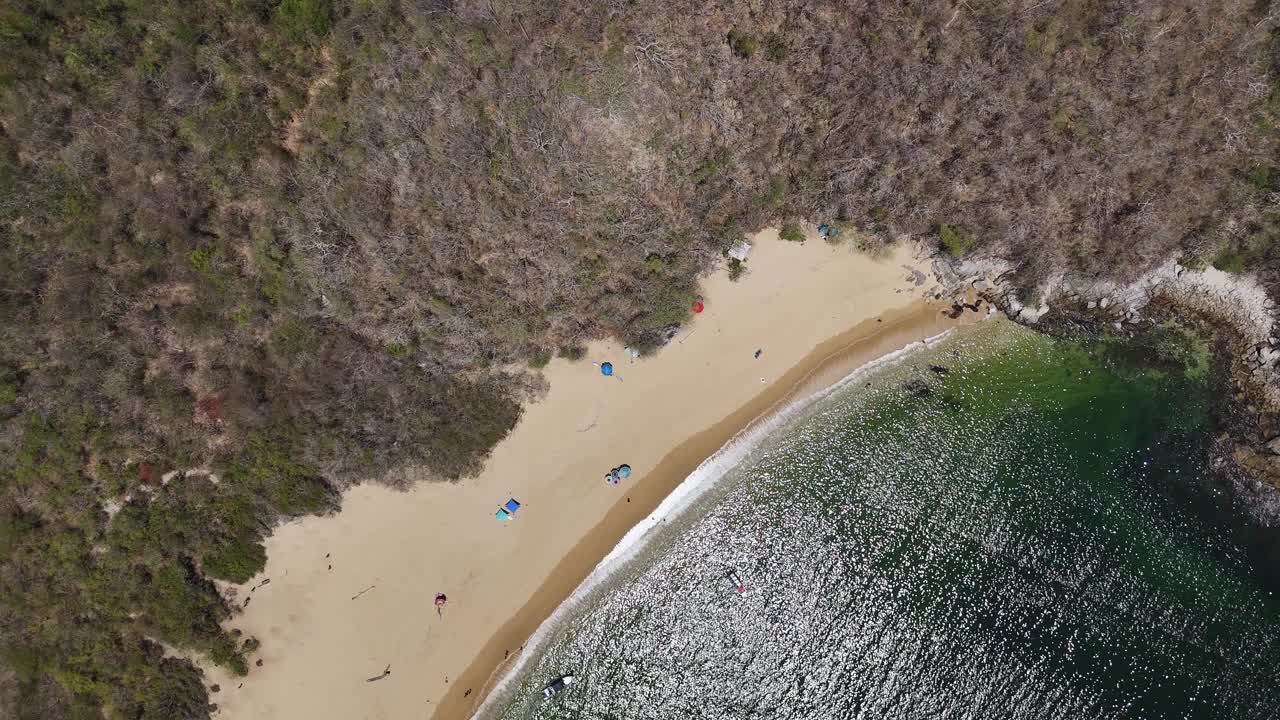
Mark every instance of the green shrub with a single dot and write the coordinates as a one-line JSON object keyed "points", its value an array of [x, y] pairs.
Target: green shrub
{"points": [[236, 560], [955, 240], [24, 661], [300, 20], [514, 330], [712, 166], [271, 265], [1263, 178], [1230, 260], [654, 263], [201, 260], [301, 492], [293, 336], [777, 191], [791, 232], [775, 47], [77, 204], [1043, 39], [206, 262], [440, 306], [540, 359], [224, 653], [192, 318], [1061, 120], [742, 43], [268, 468], [13, 530]]}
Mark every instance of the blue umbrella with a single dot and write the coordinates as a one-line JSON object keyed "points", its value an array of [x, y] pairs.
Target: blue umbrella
{"points": [[624, 472], [606, 369]]}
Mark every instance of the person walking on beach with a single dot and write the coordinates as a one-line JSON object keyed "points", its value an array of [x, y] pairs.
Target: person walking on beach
{"points": [[440, 601]]}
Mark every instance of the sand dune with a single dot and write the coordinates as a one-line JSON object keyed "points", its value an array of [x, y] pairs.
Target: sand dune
{"points": [[813, 310]]}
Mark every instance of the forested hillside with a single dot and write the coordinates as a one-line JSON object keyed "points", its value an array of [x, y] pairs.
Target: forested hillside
{"points": [[254, 250]]}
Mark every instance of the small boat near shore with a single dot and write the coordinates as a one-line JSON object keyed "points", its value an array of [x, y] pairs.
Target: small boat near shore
{"points": [[734, 581], [557, 685]]}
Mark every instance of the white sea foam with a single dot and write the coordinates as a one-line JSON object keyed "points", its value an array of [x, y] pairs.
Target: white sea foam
{"points": [[693, 487]]}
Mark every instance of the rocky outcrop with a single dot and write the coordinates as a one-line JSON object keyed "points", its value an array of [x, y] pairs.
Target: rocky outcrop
{"points": [[1234, 309]]}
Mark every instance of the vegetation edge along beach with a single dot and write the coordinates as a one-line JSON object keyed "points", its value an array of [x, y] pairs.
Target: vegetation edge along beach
{"points": [[744, 347]]}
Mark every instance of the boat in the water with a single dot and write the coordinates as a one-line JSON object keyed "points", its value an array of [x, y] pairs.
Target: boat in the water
{"points": [[734, 581], [557, 685]]}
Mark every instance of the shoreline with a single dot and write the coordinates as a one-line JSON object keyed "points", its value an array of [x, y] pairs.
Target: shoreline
{"points": [[824, 367], [351, 594]]}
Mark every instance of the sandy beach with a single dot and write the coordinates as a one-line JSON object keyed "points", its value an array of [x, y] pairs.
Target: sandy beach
{"points": [[351, 595]]}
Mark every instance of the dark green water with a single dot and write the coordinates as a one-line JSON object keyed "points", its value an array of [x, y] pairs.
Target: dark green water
{"points": [[1002, 526]]}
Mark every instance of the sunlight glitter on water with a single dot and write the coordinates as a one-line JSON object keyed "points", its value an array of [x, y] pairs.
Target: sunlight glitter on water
{"points": [[986, 538]]}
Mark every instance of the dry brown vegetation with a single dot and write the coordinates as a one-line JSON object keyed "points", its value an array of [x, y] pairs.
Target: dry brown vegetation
{"points": [[302, 242]]}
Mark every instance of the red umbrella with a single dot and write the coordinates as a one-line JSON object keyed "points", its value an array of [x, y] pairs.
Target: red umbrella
{"points": [[698, 306]]}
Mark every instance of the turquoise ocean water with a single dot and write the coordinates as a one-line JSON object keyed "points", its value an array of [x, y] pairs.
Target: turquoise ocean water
{"points": [[999, 526]]}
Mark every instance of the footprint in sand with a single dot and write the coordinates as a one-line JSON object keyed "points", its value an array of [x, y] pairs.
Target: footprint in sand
{"points": [[594, 419]]}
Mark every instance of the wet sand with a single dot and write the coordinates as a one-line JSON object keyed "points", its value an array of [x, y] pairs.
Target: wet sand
{"points": [[816, 312]]}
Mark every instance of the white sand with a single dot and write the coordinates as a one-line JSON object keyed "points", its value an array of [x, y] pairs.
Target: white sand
{"points": [[660, 414]]}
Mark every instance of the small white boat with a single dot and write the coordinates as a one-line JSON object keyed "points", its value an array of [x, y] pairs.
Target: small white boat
{"points": [[557, 685]]}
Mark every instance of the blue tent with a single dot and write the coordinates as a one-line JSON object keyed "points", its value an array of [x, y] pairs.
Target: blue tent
{"points": [[606, 369], [507, 510]]}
